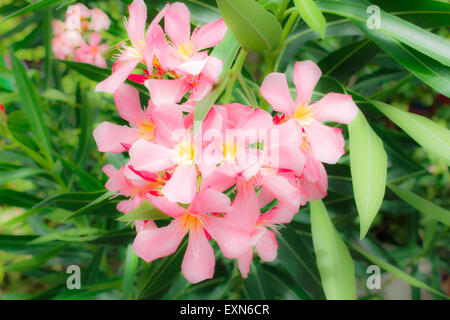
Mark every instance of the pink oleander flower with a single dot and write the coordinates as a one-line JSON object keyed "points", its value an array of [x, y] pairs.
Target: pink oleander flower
{"points": [[184, 54], [198, 264], [144, 124], [76, 16], [325, 142], [140, 51], [90, 52], [64, 44], [99, 20]]}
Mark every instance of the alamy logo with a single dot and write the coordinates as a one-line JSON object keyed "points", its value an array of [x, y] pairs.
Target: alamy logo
{"points": [[374, 281], [374, 20], [74, 280]]}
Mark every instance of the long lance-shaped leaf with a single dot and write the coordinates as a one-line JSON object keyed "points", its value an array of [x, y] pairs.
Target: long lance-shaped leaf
{"points": [[312, 16], [404, 31], [32, 107], [336, 267], [396, 271], [368, 164], [426, 207], [31, 7], [424, 131], [254, 27]]}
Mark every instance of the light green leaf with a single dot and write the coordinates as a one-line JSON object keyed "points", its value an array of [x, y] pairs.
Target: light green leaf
{"points": [[6, 176], [129, 277], [144, 212], [368, 165], [426, 207], [312, 15], [397, 272], [424, 131], [254, 28], [226, 51], [32, 106], [336, 267], [31, 7]]}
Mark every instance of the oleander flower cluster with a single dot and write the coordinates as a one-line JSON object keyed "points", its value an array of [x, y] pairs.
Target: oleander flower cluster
{"points": [[78, 37], [232, 179]]}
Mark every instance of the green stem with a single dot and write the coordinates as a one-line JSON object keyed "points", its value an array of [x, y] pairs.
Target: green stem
{"points": [[247, 92], [234, 72]]}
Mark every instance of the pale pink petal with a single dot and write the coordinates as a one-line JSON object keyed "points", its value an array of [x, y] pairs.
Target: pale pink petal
{"points": [[99, 61], [232, 240], [267, 246], [128, 104], [191, 67], [95, 38], [212, 69], [151, 244], [306, 76], [136, 22], [182, 186], [218, 180], [245, 206], [168, 207], [168, 120], [244, 262], [210, 201], [162, 90], [198, 262], [154, 24], [148, 156], [277, 215], [177, 23], [118, 76], [209, 35], [140, 225], [288, 195], [316, 190], [127, 206], [276, 91], [111, 137], [336, 107], [326, 145], [109, 170]]}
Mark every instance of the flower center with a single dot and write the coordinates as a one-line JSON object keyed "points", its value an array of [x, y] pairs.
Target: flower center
{"points": [[302, 113], [146, 129], [184, 153], [229, 151], [190, 222], [185, 50]]}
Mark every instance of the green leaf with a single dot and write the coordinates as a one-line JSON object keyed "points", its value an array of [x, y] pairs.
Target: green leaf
{"points": [[396, 271], [394, 27], [85, 138], [254, 28], [144, 212], [424, 131], [226, 51], [7, 176], [48, 35], [312, 15], [368, 165], [36, 261], [283, 281], [98, 74], [17, 199], [32, 7], [336, 267], [164, 274], [32, 106], [346, 61], [426, 207], [94, 205], [130, 270]]}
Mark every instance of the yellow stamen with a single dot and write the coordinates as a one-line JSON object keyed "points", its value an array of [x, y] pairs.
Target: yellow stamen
{"points": [[185, 152], [146, 129], [190, 222], [302, 113]]}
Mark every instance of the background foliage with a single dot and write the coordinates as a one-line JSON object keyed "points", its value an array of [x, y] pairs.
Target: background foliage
{"points": [[388, 197]]}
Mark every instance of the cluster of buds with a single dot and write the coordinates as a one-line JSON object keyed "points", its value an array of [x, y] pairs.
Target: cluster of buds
{"points": [[236, 177], [70, 35]]}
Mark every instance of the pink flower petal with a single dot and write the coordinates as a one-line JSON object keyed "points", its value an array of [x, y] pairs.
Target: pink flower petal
{"points": [[136, 22], [163, 91], [168, 207], [210, 201], [209, 35], [113, 138], [306, 76], [276, 91], [151, 157], [244, 262], [177, 23], [128, 104], [288, 195], [151, 244], [182, 186], [336, 107], [267, 246], [119, 75], [198, 263], [326, 145]]}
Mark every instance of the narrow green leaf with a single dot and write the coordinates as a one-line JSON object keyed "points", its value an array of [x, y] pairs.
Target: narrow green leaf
{"points": [[254, 28], [32, 106], [424, 131], [129, 276], [17, 199], [85, 138], [368, 165], [336, 267], [7, 176], [48, 35], [423, 41], [226, 51], [92, 205], [312, 15], [426, 207], [32, 7], [144, 212], [397, 272], [36, 261]]}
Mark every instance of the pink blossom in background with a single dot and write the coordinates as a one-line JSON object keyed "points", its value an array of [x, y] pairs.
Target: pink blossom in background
{"points": [[90, 52], [99, 20]]}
